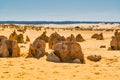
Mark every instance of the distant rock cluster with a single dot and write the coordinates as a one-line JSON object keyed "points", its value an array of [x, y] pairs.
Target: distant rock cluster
{"points": [[56, 38], [19, 38], [64, 49]]}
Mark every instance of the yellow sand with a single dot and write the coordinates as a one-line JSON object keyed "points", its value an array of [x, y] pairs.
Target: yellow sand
{"points": [[40, 69]]}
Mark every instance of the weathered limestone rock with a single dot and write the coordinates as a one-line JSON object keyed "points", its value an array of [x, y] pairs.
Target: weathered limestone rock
{"points": [[52, 57], [13, 36], [27, 39], [103, 46], [37, 49], [39, 43], [20, 38], [71, 38], [9, 48], [116, 33], [76, 61], [98, 36], [54, 39], [94, 58], [114, 43], [68, 51], [16, 49], [95, 35], [44, 37], [13, 48], [3, 49], [3, 37], [79, 38]]}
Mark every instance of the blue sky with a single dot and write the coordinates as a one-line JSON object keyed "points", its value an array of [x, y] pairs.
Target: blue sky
{"points": [[60, 10]]}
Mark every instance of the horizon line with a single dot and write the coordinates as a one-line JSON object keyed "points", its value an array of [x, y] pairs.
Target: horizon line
{"points": [[52, 21]]}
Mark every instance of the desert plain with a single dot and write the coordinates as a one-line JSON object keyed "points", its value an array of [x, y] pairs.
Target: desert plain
{"points": [[22, 68]]}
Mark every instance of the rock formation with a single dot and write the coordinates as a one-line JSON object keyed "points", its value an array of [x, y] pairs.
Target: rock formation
{"points": [[3, 37], [71, 38], [103, 46], [9, 48], [68, 52], [76, 61], [13, 48], [52, 57], [20, 38], [116, 33], [98, 36], [114, 43], [54, 39], [27, 39], [37, 49], [79, 38], [94, 58], [95, 35], [44, 37], [13, 36], [3, 49]]}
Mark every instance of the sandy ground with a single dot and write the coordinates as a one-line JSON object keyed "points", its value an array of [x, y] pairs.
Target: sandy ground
{"points": [[40, 69]]}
